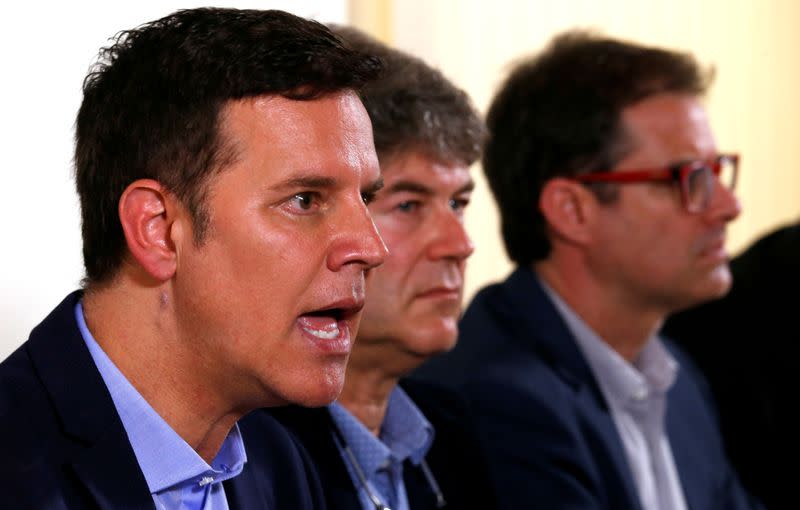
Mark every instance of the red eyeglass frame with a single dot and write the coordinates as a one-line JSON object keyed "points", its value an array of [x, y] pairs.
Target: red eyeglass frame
{"points": [[678, 172]]}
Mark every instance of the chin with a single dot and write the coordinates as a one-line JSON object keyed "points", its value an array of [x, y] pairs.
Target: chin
{"points": [[437, 342], [317, 390], [318, 400], [715, 287], [720, 282]]}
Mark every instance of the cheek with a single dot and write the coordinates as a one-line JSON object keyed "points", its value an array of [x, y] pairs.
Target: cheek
{"points": [[393, 232], [392, 275], [381, 293], [280, 264]]}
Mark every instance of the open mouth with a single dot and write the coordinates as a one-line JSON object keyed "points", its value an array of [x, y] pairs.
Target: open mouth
{"points": [[323, 324], [329, 328]]}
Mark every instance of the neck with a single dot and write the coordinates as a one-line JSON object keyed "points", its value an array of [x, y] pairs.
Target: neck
{"points": [[622, 321], [366, 395], [135, 327]]}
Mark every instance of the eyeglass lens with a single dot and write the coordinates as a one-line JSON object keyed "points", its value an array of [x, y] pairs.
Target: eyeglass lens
{"points": [[700, 183]]}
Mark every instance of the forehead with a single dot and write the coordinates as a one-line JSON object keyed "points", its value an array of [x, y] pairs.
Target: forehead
{"points": [[667, 128], [314, 134], [415, 166]]}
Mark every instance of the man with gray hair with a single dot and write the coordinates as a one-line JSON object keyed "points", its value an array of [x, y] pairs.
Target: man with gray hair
{"points": [[391, 442]]}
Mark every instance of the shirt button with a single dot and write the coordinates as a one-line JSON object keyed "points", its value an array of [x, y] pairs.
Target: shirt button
{"points": [[205, 481], [640, 394]]}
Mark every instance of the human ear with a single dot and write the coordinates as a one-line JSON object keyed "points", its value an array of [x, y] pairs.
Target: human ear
{"points": [[147, 213], [568, 208]]}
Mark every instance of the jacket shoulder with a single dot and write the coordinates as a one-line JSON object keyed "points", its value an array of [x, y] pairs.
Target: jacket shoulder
{"points": [[279, 464]]}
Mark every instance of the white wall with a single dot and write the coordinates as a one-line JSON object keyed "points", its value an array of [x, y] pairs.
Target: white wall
{"points": [[45, 51], [754, 103]]}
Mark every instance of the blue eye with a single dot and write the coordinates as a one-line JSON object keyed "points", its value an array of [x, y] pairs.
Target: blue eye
{"points": [[459, 204], [408, 206]]}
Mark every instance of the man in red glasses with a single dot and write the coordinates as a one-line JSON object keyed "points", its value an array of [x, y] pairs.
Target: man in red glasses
{"points": [[614, 201]]}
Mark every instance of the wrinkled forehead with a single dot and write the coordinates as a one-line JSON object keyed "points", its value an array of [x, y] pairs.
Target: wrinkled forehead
{"points": [[417, 167]]}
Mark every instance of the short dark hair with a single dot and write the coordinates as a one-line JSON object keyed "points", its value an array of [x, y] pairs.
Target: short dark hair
{"points": [[151, 107], [413, 106], [559, 114]]}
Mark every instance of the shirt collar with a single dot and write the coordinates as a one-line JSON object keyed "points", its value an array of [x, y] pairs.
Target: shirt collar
{"points": [[405, 429], [654, 372], [164, 457], [405, 433]]}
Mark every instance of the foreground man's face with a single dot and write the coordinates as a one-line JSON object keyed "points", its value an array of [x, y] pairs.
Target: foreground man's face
{"points": [[274, 294]]}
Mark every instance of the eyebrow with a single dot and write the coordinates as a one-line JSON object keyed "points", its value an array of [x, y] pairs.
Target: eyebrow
{"points": [[466, 187], [320, 182], [415, 187], [374, 186], [310, 181]]}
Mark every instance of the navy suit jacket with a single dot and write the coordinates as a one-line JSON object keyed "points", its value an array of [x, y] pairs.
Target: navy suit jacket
{"points": [[551, 440], [63, 445], [455, 458]]}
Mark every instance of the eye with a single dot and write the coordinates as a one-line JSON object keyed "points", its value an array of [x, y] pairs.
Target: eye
{"points": [[459, 204], [368, 197], [305, 200], [408, 206]]}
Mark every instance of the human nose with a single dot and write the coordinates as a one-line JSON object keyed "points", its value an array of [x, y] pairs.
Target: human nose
{"points": [[451, 240], [724, 203], [356, 241]]}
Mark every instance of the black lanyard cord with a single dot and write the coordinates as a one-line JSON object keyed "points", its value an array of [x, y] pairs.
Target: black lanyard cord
{"points": [[341, 442], [362, 479]]}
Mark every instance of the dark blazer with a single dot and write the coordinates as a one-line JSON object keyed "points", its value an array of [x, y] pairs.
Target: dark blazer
{"points": [[551, 440], [63, 445], [747, 344], [455, 457]]}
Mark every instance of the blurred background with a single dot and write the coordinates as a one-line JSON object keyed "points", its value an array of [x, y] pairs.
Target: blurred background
{"points": [[46, 51]]}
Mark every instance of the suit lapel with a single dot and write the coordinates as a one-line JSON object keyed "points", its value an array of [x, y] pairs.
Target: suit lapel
{"points": [[339, 488], [689, 442], [110, 472], [539, 322], [418, 490], [103, 460], [313, 427], [607, 444], [245, 492]]}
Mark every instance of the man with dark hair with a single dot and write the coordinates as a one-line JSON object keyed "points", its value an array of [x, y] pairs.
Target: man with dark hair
{"points": [[223, 163], [614, 202], [388, 441]]}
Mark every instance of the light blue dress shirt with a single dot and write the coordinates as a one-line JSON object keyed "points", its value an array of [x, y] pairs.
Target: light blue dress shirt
{"points": [[405, 434], [177, 476]]}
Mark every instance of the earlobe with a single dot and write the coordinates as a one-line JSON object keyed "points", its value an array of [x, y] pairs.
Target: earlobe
{"points": [[565, 206], [147, 214]]}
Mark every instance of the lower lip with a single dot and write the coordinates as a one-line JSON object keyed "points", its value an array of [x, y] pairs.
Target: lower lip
{"points": [[339, 345]]}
